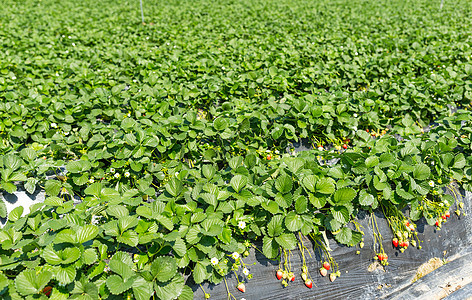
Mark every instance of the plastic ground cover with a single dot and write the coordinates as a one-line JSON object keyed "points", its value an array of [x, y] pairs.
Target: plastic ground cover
{"points": [[361, 277]]}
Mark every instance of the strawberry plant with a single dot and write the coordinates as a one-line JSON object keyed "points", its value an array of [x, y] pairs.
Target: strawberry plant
{"points": [[167, 151]]}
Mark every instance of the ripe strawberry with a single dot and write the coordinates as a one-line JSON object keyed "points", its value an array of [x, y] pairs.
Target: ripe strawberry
{"points": [[269, 157], [326, 265], [448, 214], [367, 130], [395, 242], [407, 223], [279, 274], [292, 278], [332, 277], [345, 146], [323, 272], [242, 287], [47, 291], [309, 283], [406, 244], [443, 217], [438, 223]]}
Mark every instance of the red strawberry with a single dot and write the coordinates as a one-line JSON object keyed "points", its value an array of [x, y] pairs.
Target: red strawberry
{"points": [[47, 291], [279, 274], [367, 130], [332, 277], [438, 223], [407, 223], [443, 217], [323, 272], [345, 146], [242, 287], [326, 265], [269, 157], [406, 244], [293, 277], [380, 256], [448, 214], [309, 283], [395, 242]]}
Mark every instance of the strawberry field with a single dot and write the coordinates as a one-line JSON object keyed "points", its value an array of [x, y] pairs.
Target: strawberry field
{"points": [[174, 153]]}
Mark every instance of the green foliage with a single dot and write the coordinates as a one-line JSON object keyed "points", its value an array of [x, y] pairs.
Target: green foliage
{"points": [[174, 134]]}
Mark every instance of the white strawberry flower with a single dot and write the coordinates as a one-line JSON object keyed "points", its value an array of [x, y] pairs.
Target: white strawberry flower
{"points": [[214, 261], [242, 224], [235, 255], [320, 148], [117, 175], [112, 170], [91, 180], [53, 125], [246, 271], [127, 174], [431, 183]]}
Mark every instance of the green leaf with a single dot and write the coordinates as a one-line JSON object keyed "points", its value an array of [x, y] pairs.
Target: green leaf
{"points": [[274, 228], [30, 282], [94, 189], [118, 285], [288, 241], [164, 268], [301, 204], [331, 224], [293, 222], [371, 161], [65, 275], [200, 272], [52, 187], [421, 172], [208, 171], [142, 289], [16, 213], [53, 201], [238, 182], [78, 166], [86, 233], [340, 214], [129, 238], [270, 248], [309, 182], [318, 201], [344, 236], [3, 210], [326, 186], [220, 124], [3, 281], [90, 256], [459, 161], [11, 161], [174, 186], [187, 293], [284, 184], [17, 177], [344, 195], [170, 289], [365, 198]]}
